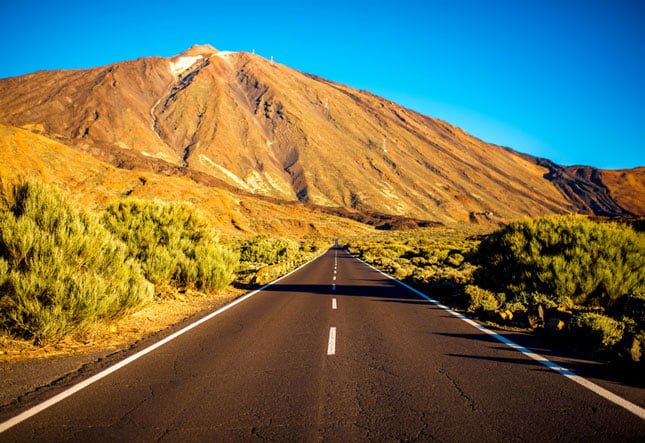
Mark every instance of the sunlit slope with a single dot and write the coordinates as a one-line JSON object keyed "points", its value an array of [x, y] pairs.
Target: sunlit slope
{"points": [[107, 105], [27, 155], [627, 186], [275, 131], [267, 129]]}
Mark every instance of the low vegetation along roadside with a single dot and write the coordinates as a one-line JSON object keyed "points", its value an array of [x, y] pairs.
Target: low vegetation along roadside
{"points": [[64, 269], [174, 245], [264, 258], [577, 280]]}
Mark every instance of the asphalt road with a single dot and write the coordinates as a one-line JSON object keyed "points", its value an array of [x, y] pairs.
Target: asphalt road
{"points": [[395, 368]]}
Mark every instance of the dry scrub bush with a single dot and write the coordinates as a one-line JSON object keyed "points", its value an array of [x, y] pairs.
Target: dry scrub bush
{"points": [[173, 243], [479, 299], [597, 331], [631, 307], [269, 251], [570, 260], [60, 269], [313, 245]]}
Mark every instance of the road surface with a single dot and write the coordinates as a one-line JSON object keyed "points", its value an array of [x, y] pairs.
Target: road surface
{"points": [[366, 361]]}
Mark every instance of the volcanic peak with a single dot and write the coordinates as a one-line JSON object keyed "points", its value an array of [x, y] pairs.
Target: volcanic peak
{"points": [[203, 50], [180, 63], [255, 128]]}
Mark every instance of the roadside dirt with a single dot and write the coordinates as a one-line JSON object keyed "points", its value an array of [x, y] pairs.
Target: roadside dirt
{"points": [[26, 368]]}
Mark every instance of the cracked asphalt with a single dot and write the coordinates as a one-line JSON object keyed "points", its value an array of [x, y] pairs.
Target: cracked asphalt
{"points": [[403, 370]]}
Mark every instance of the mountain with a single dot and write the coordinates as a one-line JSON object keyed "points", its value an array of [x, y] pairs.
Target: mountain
{"points": [[97, 184], [608, 193], [241, 124]]}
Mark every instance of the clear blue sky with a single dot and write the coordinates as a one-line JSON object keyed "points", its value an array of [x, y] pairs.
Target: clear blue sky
{"points": [[560, 79]]}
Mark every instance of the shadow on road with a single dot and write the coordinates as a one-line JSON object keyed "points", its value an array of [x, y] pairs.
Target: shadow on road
{"points": [[385, 289], [620, 374], [406, 301]]}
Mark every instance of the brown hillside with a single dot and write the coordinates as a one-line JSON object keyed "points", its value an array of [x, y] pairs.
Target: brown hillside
{"points": [[94, 183], [595, 191], [627, 187], [238, 120]]}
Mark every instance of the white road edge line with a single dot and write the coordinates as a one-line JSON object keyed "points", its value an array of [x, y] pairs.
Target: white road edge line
{"points": [[85, 383], [331, 347], [334, 305], [599, 390]]}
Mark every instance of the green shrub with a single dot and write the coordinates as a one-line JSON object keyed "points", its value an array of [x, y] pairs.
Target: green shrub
{"points": [[455, 259], [173, 243], [597, 331], [537, 298], [269, 251], [515, 307], [635, 349], [312, 245], [568, 258], [60, 269], [479, 299], [631, 306], [401, 270], [420, 262], [442, 275], [423, 276], [4, 270]]}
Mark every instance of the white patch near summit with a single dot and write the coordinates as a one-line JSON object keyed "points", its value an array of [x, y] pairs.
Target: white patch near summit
{"points": [[183, 63], [224, 53]]}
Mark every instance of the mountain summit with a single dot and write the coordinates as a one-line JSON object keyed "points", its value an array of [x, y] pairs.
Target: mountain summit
{"points": [[239, 121], [204, 50]]}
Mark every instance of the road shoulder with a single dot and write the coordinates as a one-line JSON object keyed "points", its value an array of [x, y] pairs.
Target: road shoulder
{"points": [[29, 373]]}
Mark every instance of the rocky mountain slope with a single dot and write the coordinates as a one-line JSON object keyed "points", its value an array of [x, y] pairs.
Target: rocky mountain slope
{"points": [[97, 184], [595, 191], [239, 122]]}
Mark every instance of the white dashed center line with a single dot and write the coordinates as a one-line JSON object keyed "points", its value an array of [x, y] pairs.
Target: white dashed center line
{"points": [[334, 305], [333, 286], [331, 347]]}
